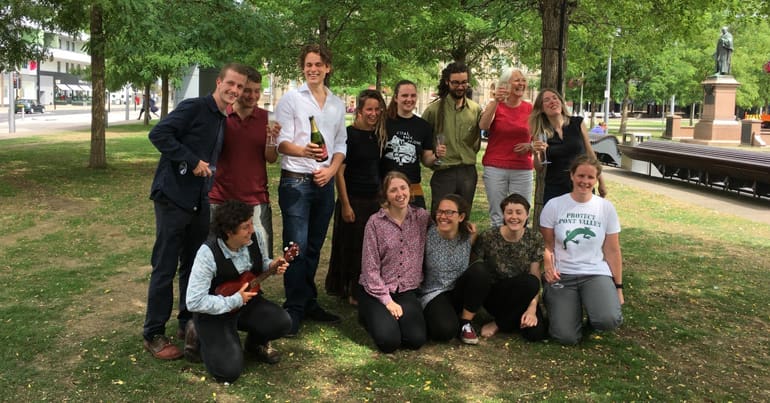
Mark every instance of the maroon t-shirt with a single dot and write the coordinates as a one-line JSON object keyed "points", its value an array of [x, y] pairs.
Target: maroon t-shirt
{"points": [[241, 170]]}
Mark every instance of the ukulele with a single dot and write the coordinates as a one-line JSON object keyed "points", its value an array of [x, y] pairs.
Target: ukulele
{"points": [[231, 287]]}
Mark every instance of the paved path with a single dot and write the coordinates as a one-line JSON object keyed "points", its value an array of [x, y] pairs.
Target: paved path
{"points": [[743, 206]]}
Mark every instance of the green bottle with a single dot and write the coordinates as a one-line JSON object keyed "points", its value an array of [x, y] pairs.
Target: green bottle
{"points": [[318, 139]]}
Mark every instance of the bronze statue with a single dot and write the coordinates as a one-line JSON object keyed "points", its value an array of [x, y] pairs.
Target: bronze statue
{"points": [[724, 53]]}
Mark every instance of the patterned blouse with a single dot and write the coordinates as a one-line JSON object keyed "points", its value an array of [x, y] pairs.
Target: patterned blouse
{"points": [[509, 259], [445, 261], [393, 254]]}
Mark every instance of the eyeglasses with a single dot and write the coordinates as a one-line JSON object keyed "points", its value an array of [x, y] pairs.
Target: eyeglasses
{"points": [[448, 213], [459, 83]]}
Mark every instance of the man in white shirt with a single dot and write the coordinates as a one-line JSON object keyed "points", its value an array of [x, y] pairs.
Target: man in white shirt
{"points": [[306, 191]]}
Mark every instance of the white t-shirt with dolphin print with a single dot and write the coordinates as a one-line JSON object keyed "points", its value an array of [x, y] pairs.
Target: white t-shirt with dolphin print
{"points": [[579, 231]]}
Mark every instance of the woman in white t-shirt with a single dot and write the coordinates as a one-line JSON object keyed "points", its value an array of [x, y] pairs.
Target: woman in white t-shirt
{"points": [[583, 263]]}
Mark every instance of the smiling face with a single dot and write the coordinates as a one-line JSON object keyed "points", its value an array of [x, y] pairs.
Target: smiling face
{"points": [[448, 217], [397, 193], [518, 84], [551, 104], [315, 69], [229, 88], [515, 216], [584, 179], [241, 236], [250, 95], [406, 99], [371, 112]]}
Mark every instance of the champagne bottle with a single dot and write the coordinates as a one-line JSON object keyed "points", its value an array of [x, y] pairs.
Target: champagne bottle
{"points": [[318, 139]]}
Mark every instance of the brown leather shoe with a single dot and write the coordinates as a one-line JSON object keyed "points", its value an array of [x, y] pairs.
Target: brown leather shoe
{"points": [[191, 352], [161, 348]]}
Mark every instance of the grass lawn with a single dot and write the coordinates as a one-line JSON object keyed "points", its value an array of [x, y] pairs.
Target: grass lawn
{"points": [[74, 258]]}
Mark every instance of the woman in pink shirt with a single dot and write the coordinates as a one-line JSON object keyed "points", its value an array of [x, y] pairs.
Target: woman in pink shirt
{"points": [[508, 157], [391, 269]]}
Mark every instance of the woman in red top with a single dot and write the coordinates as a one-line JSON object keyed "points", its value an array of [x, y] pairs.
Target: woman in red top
{"points": [[508, 158]]}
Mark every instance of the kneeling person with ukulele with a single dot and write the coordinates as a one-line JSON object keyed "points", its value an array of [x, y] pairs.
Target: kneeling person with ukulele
{"points": [[224, 296]]}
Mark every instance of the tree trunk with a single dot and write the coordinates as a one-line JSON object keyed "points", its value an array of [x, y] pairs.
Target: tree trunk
{"points": [[378, 80], [555, 17], [624, 106], [146, 104], [164, 93], [98, 158]]}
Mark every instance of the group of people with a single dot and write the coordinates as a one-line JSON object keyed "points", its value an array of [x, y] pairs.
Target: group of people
{"points": [[414, 274]]}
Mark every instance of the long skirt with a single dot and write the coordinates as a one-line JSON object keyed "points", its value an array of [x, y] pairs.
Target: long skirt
{"points": [[347, 242]]}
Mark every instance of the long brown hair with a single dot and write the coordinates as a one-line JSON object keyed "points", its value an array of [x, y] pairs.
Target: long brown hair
{"points": [[538, 121], [392, 106]]}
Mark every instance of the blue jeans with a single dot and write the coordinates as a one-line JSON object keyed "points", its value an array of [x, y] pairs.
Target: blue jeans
{"points": [[306, 210]]}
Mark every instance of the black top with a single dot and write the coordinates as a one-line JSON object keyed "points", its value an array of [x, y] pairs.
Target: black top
{"points": [[561, 153], [407, 139], [362, 175]]}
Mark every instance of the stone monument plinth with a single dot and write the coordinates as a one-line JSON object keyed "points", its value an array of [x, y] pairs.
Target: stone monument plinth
{"points": [[717, 125]]}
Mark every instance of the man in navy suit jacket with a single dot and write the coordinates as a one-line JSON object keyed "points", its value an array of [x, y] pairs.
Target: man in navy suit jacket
{"points": [[189, 140]]}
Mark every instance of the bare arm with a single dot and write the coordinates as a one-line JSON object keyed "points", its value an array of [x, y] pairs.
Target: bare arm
{"points": [[611, 250], [342, 194]]}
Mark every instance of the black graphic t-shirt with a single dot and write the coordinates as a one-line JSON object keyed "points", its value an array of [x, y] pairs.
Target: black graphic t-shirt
{"points": [[407, 139]]}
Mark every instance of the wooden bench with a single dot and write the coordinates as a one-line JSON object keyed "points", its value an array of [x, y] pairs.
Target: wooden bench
{"points": [[730, 169]]}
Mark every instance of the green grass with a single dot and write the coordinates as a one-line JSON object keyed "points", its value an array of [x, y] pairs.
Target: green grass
{"points": [[74, 259]]}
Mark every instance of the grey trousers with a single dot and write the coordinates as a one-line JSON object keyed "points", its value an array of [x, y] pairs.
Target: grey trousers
{"points": [[597, 294]]}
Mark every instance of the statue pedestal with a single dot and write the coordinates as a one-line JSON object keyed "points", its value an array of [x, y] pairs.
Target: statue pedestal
{"points": [[718, 125]]}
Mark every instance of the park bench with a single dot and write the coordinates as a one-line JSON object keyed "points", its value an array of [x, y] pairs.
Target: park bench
{"points": [[606, 148], [729, 169]]}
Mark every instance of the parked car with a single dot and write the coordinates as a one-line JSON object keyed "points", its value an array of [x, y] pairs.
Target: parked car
{"points": [[29, 105]]}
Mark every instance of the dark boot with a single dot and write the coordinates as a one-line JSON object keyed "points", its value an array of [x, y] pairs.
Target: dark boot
{"points": [[191, 352]]}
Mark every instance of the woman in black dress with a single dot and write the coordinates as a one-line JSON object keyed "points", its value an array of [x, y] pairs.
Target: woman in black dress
{"points": [[358, 181]]}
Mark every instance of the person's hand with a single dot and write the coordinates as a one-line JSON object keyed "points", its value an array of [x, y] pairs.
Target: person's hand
{"points": [[501, 93], [539, 146], [440, 151], [522, 148], [273, 129], [549, 271], [322, 176], [471, 228], [202, 169], [313, 151], [620, 296], [528, 319], [395, 310], [246, 295], [348, 215], [279, 265]]}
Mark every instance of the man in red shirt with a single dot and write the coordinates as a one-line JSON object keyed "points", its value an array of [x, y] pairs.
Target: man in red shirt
{"points": [[242, 169]]}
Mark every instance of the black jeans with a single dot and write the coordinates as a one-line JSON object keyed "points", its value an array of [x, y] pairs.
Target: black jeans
{"points": [[220, 344], [387, 332], [507, 301], [441, 313], [179, 234]]}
